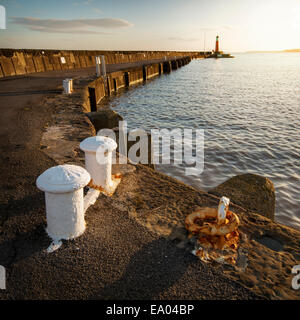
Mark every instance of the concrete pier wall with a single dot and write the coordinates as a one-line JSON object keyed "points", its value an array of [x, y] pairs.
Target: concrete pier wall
{"points": [[96, 92], [174, 64], [117, 79], [17, 62], [152, 70], [112, 82], [167, 67], [135, 76]]}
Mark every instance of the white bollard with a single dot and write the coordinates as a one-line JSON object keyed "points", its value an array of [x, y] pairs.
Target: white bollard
{"points": [[103, 66], [71, 84], [222, 210], [98, 162], [98, 63], [65, 207], [68, 86]]}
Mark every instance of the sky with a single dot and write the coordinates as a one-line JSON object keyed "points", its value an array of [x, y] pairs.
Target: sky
{"points": [[187, 25]]}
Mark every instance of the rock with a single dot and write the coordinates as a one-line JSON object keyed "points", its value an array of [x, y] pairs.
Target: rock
{"points": [[145, 142], [252, 192], [104, 119]]}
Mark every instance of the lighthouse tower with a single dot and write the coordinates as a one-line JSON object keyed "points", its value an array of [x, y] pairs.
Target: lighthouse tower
{"points": [[217, 53], [217, 45]]}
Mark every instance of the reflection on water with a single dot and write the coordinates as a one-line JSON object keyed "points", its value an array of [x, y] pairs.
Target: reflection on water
{"points": [[249, 108]]}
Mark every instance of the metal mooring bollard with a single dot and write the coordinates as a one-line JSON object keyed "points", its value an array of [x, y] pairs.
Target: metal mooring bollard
{"points": [[68, 86], [98, 162], [65, 206]]}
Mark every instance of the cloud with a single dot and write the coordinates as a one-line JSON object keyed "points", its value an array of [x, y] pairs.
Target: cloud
{"points": [[182, 39], [231, 27], [207, 29], [87, 2], [71, 26], [217, 28], [41, 29]]}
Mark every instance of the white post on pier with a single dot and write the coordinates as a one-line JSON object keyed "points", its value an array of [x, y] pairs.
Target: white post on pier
{"points": [[98, 162], [63, 187], [103, 66], [68, 86], [98, 63], [71, 84]]}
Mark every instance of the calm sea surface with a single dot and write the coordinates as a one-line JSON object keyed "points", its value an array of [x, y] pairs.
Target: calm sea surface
{"points": [[249, 108]]}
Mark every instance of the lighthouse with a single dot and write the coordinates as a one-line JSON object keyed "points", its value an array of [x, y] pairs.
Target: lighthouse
{"points": [[217, 45], [217, 53]]}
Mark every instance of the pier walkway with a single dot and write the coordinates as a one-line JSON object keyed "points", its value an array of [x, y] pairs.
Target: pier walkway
{"points": [[116, 258]]}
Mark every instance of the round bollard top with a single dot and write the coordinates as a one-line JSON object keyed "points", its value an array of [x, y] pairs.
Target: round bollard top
{"points": [[63, 178], [92, 144]]}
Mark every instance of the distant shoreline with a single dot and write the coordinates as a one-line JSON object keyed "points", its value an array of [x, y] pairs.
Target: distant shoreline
{"points": [[275, 51]]}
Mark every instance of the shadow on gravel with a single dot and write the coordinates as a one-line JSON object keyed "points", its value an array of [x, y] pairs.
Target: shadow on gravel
{"points": [[151, 270], [23, 246], [22, 207]]}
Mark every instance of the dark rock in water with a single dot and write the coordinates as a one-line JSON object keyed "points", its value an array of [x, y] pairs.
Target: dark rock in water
{"points": [[109, 119], [141, 144], [104, 119], [253, 192]]}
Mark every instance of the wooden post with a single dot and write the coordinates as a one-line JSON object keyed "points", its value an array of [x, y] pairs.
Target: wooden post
{"points": [[144, 73], [126, 78], [92, 97]]}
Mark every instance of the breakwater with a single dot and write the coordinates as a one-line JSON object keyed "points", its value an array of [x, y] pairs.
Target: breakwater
{"points": [[158, 203], [24, 61], [105, 86], [149, 208]]}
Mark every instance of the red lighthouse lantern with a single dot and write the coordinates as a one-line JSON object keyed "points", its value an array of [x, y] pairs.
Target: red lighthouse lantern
{"points": [[217, 45]]}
